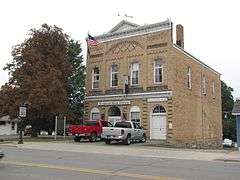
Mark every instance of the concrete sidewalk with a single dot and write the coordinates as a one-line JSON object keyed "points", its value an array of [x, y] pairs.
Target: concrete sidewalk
{"points": [[137, 150]]}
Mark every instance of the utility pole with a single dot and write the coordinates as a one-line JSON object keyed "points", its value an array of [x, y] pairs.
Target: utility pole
{"points": [[64, 127], [55, 134]]}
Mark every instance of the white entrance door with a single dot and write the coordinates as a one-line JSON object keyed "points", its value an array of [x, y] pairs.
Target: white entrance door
{"points": [[158, 126], [114, 119]]}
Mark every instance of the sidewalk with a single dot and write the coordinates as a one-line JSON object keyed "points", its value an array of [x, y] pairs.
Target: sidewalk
{"points": [[137, 150]]}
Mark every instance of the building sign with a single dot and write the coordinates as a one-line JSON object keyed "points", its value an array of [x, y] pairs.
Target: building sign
{"points": [[22, 111], [113, 103], [157, 99]]}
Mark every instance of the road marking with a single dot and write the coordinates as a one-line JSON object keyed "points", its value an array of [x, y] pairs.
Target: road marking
{"points": [[89, 171]]}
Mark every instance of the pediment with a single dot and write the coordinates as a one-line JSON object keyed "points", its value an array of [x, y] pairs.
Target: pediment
{"points": [[122, 26]]}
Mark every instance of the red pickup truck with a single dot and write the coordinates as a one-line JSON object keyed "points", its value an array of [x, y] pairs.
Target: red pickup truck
{"points": [[91, 129]]}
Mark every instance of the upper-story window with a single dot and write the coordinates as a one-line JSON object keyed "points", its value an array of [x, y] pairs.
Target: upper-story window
{"points": [[213, 89], [158, 72], [204, 85], [189, 78], [135, 74], [95, 78], [114, 75]]}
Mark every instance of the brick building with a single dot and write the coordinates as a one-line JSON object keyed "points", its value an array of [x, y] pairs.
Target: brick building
{"points": [[138, 73]]}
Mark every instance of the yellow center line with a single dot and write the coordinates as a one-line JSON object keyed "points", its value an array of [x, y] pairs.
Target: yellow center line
{"points": [[90, 171]]}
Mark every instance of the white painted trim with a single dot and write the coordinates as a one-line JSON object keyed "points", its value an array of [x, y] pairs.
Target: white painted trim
{"points": [[111, 73], [189, 77], [195, 59], [162, 94], [132, 74], [236, 114], [135, 109], [93, 79]]}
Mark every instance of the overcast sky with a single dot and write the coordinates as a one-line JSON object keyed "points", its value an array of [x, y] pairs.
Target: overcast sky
{"points": [[211, 28]]}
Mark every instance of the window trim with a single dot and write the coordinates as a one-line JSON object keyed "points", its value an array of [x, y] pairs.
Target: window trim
{"points": [[154, 71], [189, 78], [93, 75], [132, 74], [213, 89], [96, 111], [204, 84], [111, 73], [135, 109]]}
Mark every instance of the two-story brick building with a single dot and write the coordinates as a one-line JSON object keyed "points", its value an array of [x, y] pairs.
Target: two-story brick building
{"points": [[138, 73]]}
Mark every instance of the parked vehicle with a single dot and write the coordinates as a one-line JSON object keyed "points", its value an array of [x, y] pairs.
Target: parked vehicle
{"points": [[227, 143], [28, 130], [1, 154], [91, 129], [125, 131]]}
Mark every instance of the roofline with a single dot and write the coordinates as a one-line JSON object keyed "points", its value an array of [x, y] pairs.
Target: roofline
{"points": [[140, 30], [195, 59], [121, 22]]}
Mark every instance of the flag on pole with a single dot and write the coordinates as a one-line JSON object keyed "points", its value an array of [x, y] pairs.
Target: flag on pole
{"points": [[91, 41]]}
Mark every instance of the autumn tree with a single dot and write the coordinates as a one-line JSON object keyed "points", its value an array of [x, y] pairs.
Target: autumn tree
{"points": [[39, 72], [76, 82]]}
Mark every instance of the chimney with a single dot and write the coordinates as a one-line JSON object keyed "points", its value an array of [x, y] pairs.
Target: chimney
{"points": [[180, 36]]}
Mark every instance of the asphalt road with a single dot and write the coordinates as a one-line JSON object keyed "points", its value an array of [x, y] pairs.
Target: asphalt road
{"points": [[29, 164]]}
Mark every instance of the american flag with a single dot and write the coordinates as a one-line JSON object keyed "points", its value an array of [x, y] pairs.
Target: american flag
{"points": [[91, 41]]}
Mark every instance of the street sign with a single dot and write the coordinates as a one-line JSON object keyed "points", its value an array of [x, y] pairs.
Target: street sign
{"points": [[22, 111]]}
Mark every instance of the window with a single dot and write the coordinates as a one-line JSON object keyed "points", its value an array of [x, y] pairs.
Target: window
{"points": [[95, 78], [13, 126], [189, 78], [213, 89], [158, 72], [135, 115], [114, 76], [159, 109], [123, 124], [204, 88], [135, 74], [95, 114]]}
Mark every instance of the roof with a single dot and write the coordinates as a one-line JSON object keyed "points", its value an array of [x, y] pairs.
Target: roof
{"points": [[236, 107], [123, 25]]}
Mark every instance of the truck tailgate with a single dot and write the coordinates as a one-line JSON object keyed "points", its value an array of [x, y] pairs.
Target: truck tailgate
{"points": [[111, 131]]}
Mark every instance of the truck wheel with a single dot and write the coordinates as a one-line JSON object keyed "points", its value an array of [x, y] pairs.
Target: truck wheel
{"points": [[144, 138], [77, 139], [108, 141], [93, 137], [127, 141]]}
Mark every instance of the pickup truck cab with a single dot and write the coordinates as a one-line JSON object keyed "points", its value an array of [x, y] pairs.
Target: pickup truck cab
{"points": [[90, 129], [125, 131]]}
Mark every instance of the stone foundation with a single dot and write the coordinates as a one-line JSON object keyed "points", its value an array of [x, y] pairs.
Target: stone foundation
{"points": [[198, 144]]}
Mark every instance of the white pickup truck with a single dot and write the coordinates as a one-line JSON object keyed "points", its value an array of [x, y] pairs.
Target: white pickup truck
{"points": [[125, 131]]}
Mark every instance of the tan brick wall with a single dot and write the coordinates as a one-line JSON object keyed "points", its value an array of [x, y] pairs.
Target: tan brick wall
{"points": [[193, 115]]}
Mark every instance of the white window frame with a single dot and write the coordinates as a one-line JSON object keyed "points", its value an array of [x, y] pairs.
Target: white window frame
{"points": [[93, 78], [94, 111], [204, 84], [189, 78], [154, 72], [213, 89], [111, 75], [132, 73], [135, 109]]}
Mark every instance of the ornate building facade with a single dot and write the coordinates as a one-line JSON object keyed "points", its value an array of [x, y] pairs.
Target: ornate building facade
{"points": [[138, 73]]}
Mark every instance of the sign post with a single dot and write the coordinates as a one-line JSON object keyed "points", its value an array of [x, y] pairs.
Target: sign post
{"points": [[22, 114], [64, 127]]}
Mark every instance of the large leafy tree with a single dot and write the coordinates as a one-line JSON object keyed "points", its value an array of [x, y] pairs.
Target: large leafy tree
{"points": [[76, 81], [229, 123], [39, 75]]}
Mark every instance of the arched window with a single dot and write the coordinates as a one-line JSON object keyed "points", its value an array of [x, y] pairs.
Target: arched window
{"points": [[114, 111], [135, 114], [159, 109], [95, 114]]}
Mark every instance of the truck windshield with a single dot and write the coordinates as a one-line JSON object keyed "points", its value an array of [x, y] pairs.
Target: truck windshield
{"points": [[123, 125], [90, 123]]}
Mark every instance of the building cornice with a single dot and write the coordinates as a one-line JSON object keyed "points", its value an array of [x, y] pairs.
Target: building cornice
{"points": [[162, 94], [140, 30]]}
